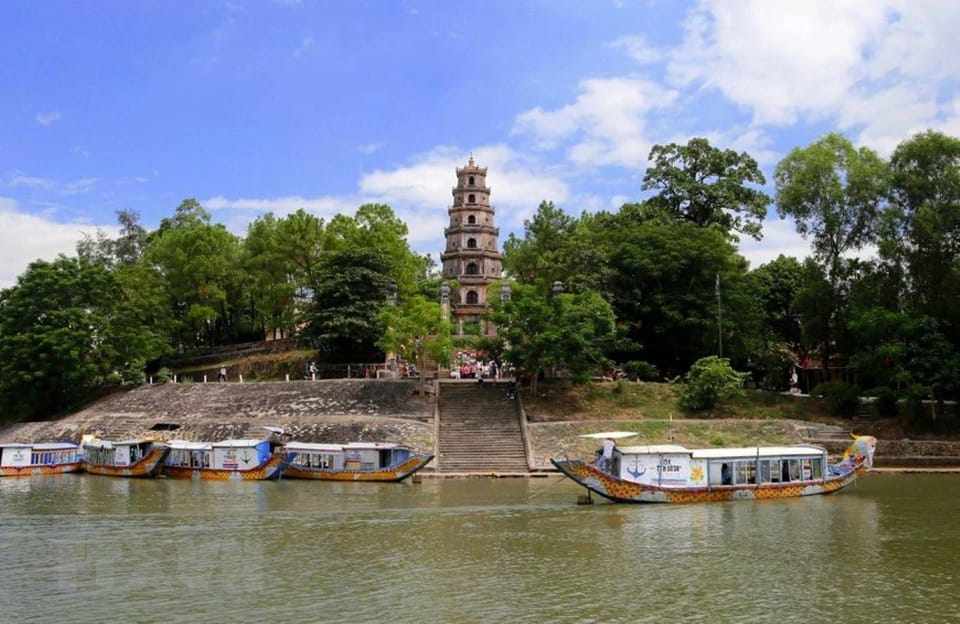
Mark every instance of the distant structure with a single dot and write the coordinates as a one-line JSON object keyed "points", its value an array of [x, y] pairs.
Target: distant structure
{"points": [[472, 255]]}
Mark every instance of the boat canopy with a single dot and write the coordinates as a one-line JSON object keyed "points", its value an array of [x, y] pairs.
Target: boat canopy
{"points": [[362, 446], [751, 452], [188, 445], [314, 447], [613, 435], [238, 443]]}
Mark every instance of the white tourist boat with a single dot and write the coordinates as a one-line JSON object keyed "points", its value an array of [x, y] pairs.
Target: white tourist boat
{"points": [[42, 458], [251, 460], [355, 461], [668, 473], [142, 457]]}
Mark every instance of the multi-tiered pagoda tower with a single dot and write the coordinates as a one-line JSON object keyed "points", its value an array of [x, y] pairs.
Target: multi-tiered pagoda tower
{"points": [[472, 256]]}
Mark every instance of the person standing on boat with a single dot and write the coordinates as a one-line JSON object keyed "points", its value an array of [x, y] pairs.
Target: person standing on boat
{"points": [[606, 455]]}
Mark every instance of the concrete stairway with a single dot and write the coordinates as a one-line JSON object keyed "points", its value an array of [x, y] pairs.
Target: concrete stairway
{"points": [[479, 429]]}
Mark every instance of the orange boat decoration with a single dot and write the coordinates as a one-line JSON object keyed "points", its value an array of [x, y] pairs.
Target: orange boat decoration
{"points": [[356, 461], [256, 460], [42, 458], [141, 458], [668, 473]]}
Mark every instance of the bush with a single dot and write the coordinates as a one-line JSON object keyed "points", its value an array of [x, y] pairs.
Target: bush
{"points": [[886, 403], [641, 371], [842, 397], [710, 380]]}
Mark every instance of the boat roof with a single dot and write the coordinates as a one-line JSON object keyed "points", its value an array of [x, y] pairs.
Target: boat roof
{"points": [[313, 446], [369, 445], [794, 450], [238, 443], [613, 435], [41, 446], [98, 443], [188, 445]]}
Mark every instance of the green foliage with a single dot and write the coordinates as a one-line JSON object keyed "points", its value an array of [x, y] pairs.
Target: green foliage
{"points": [[842, 397], [710, 381], [886, 401], [69, 327], [639, 370], [566, 331], [699, 183]]}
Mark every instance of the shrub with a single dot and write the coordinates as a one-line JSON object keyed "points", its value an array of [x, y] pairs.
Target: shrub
{"points": [[641, 371], [842, 397], [710, 380], [886, 403]]}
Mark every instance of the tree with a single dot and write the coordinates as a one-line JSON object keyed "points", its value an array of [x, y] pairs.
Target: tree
{"points": [[925, 198], [199, 262], [347, 300], [67, 328], [270, 276], [707, 186], [663, 276], [416, 329], [541, 330], [709, 381], [834, 193]]}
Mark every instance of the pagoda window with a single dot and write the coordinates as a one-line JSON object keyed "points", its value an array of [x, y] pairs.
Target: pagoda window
{"points": [[471, 220], [472, 269], [472, 297], [471, 198], [471, 181], [471, 243]]}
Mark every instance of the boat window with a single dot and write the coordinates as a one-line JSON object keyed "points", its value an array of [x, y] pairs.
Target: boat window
{"points": [[769, 470], [806, 470], [817, 468], [745, 472]]}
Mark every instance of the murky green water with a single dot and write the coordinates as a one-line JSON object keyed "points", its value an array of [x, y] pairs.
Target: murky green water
{"points": [[95, 549]]}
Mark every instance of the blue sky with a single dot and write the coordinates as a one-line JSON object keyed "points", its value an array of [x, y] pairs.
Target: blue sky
{"points": [[263, 106]]}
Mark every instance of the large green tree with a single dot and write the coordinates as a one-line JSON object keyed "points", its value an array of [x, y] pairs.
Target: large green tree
{"points": [[554, 329], [416, 329], [199, 262], [67, 328], [834, 192], [708, 186], [925, 192]]}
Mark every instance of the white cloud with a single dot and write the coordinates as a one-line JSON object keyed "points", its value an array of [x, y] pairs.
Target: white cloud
{"points": [[20, 179], [370, 148], [84, 185], [779, 237], [26, 237], [871, 66], [242, 212], [639, 49], [608, 121], [47, 119]]}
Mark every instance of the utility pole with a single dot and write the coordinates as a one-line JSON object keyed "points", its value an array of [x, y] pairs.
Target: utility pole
{"points": [[719, 319]]}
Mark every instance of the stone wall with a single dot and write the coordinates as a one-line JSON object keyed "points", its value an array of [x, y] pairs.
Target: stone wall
{"points": [[318, 411]]}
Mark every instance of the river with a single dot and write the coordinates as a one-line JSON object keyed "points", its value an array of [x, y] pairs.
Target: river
{"points": [[83, 548]]}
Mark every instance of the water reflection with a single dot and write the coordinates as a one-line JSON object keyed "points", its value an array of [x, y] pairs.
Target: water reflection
{"points": [[470, 551]]}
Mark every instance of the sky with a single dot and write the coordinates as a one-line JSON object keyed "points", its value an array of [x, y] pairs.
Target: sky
{"points": [[273, 106]]}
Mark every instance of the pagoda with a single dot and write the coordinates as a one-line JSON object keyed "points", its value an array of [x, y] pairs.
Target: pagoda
{"points": [[472, 257]]}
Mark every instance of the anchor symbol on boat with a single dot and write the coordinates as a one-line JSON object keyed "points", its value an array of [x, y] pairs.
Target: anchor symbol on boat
{"points": [[637, 469], [245, 457]]}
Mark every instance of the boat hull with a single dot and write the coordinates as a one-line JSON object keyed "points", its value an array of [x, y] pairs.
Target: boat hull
{"points": [[622, 491], [391, 474], [40, 469], [147, 467], [269, 470]]}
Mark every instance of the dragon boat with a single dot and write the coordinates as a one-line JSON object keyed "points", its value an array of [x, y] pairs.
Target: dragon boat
{"points": [[356, 461], [254, 460], [668, 473], [141, 457], [44, 458]]}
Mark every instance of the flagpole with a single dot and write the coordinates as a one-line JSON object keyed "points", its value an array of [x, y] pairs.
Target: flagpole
{"points": [[719, 319]]}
